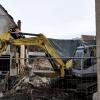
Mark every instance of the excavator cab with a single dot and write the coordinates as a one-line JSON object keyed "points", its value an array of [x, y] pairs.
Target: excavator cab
{"points": [[85, 62]]}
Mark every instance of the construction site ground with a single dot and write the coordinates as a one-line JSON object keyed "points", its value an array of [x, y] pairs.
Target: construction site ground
{"points": [[43, 94], [37, 90], [37, 83]]}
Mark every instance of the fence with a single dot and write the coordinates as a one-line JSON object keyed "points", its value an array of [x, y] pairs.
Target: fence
{"points": [[79, 83]]}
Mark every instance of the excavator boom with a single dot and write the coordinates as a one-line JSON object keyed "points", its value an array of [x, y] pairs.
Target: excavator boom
{"points": [[39, 40]]}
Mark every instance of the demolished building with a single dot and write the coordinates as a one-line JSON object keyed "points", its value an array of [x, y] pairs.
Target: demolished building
{"points": [[6, 24]]}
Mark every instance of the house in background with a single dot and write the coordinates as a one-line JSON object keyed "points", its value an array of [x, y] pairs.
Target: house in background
{"points": [[88, 37]]}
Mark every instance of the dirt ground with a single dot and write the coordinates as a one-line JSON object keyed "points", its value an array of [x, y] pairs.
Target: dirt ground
{"points": [[43, 94]]}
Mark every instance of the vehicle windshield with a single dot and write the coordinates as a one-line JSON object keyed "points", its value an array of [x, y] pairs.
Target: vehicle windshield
{"points": [[86, 62], [79, 53]]}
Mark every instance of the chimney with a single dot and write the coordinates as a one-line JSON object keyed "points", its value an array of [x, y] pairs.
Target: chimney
{"points": [[19, 24], [22, 47]]}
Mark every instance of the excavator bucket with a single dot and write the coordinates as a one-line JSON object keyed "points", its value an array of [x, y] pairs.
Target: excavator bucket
{"points": [[69, 64]]}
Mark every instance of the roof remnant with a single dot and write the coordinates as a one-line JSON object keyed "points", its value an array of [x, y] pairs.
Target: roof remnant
{"points": [[8, 15]]}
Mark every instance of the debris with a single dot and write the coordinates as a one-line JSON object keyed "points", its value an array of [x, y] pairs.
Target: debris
{"points": [[1, 94], [94, 96]]}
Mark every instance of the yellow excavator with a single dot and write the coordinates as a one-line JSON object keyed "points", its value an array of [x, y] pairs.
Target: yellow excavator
{"points": [[77, 81], [38, 40]]}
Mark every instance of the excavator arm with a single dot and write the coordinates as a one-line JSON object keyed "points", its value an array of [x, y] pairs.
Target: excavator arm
{"points": [[39, 40], [42, 42]]}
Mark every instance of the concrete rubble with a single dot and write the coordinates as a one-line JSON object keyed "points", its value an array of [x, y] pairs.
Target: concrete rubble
{"points": [[33, 87], [30, 86], [41, 64]]}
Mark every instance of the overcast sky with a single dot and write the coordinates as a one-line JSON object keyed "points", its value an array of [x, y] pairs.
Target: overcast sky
{"points": [[62, 19]]}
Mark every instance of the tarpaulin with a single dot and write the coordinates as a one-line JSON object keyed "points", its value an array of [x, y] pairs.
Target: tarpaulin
{"points": [[67, 48]]}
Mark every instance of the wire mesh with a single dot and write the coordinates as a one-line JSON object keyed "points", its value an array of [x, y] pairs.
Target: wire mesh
{"points": [[79, 83]]}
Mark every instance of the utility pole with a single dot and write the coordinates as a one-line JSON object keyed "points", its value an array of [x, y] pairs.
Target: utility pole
{"points": [[97, 6]]}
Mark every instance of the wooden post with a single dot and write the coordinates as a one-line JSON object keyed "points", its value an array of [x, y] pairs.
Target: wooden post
{"points": [[22, 55], [22, 47]]}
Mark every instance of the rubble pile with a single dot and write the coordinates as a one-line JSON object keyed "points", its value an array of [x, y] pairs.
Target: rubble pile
{"points": [[35, 81], [41, 64], [34, 87], [37, 94]]}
